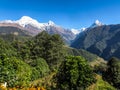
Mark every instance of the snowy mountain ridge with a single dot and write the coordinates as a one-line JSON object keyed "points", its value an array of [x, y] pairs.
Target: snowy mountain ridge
{"points": [[26, 20]]}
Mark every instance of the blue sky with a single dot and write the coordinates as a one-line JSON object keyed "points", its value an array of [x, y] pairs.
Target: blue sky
{"points": [[66, 13]]}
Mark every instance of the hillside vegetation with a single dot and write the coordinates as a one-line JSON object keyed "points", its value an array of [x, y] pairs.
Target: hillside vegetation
{"points": [[44, 61], [100, 85]]}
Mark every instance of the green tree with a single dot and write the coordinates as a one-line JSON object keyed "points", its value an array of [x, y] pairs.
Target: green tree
{"points": [[40, 69], [112, 74], [14, 71], [54, 50], [39, 45], [74, 73], [49, 47], [6, 49], [22, 49]]}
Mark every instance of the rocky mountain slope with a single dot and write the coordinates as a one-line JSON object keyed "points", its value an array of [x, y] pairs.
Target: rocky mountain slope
{"points": [[101, 40]]}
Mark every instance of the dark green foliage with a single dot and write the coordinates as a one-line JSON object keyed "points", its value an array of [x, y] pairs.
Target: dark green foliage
{"points": [[14, 71], [6, 49], [49, 47], [40, 69], [23, 50], [25, 61], [74, 73], [39, 45], [112, 74]]}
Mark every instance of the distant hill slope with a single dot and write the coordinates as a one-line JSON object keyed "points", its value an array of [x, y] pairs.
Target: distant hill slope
{"points": [[67, 35], [103, 41], [13, 33], [12, 30], [92, 58]]}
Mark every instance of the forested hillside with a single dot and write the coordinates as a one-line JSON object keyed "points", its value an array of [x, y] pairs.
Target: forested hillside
{"points": [[45, 61]]}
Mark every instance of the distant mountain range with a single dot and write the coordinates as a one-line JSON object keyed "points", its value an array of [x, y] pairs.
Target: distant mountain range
{"points": [[33, 27]]}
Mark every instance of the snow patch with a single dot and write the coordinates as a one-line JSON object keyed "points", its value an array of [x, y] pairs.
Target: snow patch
{"points": [[75, 31], [96, 24]]}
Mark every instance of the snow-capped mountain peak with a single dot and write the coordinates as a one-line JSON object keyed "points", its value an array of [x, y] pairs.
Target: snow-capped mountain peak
{"points": [[51, 23], [25, 20], [96, 24]]}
